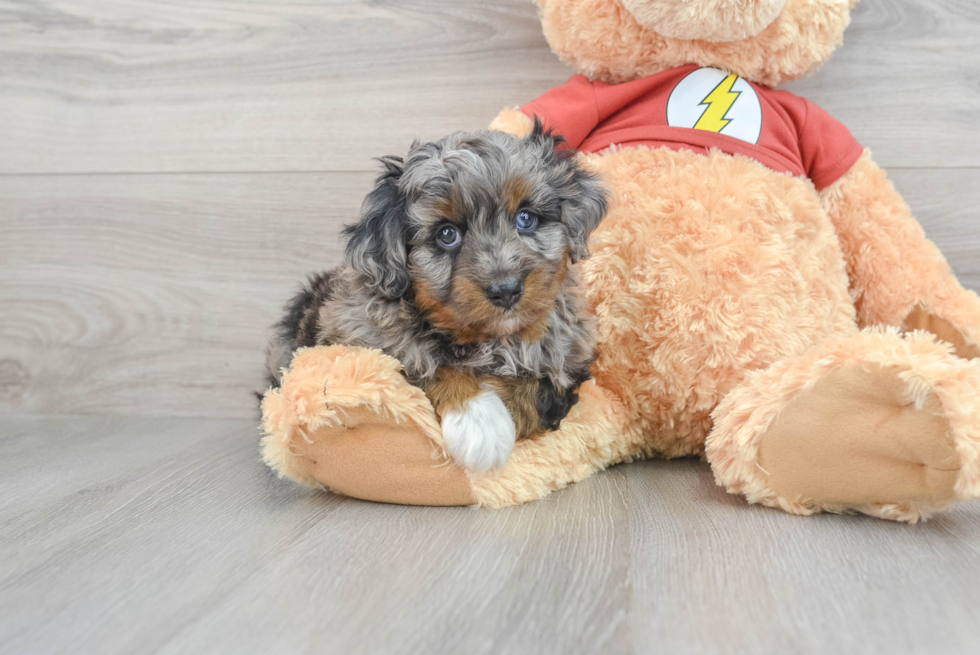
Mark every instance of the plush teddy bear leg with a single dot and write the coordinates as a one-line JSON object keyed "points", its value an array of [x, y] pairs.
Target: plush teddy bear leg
{"points": [[876, 423], [345, 419], [898, 277]]}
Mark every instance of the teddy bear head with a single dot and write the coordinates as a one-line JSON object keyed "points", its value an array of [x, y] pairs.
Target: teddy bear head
{"points": [[765, 41]]}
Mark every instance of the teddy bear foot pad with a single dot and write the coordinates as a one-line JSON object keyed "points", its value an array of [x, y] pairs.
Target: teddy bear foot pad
{"points": [[856, 437]]}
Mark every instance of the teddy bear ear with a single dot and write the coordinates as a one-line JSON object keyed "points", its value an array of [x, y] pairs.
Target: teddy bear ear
{"points": [[705, 20]]}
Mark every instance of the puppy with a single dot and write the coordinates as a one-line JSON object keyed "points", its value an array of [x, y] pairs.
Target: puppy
{"points": [[461, 268]]}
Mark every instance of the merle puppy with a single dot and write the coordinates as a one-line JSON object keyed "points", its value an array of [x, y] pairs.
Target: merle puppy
{"points": [[461, 267]]}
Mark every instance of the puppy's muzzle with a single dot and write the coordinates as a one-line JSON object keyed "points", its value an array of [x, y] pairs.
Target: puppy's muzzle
{"points": [[505, 293]]}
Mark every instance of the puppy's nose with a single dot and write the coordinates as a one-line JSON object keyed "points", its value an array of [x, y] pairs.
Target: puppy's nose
{"points": [[505, 293]]}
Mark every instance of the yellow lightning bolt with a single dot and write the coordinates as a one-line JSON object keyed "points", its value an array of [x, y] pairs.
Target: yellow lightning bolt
{"points": [[719, 101]]}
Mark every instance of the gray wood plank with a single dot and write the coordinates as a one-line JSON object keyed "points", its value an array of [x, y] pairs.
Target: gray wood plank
{"points": [[905, 81], [710, 574], [170, 536], [153, 294], [171, 281], [45, 460], [235, 85], [945, 203], [203, 550]]}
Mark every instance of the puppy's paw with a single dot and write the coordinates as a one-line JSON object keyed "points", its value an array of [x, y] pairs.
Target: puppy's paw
{"points": [[481, 434]]}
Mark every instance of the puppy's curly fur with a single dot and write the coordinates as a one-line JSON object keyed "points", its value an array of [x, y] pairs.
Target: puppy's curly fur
{"points": [[461, 267]]}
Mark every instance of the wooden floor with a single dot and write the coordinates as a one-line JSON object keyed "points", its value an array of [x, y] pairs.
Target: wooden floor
{"points": [[170, 170]]}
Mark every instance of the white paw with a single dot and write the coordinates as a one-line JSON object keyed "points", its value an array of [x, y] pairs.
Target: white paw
{"points": [[481, 434]]}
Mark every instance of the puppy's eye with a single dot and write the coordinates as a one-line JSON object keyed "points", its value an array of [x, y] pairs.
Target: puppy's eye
{"points": [[449, 237], [526, 221]]}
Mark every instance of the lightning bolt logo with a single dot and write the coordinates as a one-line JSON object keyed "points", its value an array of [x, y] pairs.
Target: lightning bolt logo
{"points": [[718, 102]]}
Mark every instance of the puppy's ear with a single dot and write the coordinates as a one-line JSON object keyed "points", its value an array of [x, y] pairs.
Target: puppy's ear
{"points": [[584, 197], [376, 243], [583, 208]]}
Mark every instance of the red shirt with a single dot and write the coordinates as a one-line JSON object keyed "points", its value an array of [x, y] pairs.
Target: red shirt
{"points": [[697, 109]]}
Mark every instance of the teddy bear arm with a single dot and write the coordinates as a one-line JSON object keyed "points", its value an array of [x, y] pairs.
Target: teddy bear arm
{"points": [[345, 419], [897, 276], [513, 121]]}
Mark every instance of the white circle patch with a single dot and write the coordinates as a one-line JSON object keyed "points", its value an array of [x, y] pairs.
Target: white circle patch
{"points": [[716, 101]]}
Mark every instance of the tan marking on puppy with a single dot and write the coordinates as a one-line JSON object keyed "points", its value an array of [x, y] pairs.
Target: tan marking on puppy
{"points": [[535, 330], [451, 389], [438, 312], [468, 315], [478, 317], [515, 191], [520, 396], [477, 425], [471, 317], [540, 294], [444, 207]]}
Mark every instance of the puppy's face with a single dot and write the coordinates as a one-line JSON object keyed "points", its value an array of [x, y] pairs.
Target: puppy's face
{"points": [[479, 229]]}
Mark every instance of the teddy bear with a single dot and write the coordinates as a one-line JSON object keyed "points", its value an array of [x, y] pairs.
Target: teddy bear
{"points": [[764, 297]]}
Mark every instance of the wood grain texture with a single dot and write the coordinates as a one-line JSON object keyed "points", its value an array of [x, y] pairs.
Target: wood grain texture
{"points": [[121, 535], [712, 575], [234, 85], [154, 294], [906, 81], [239, 85], [193, 546]]}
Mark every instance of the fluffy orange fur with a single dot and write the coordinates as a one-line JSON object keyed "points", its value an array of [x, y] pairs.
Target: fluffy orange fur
{"points": [[927, 367], [513, 121], [603, 40], [709, 20], [695, 284], [903, 269], [326, 384]]}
